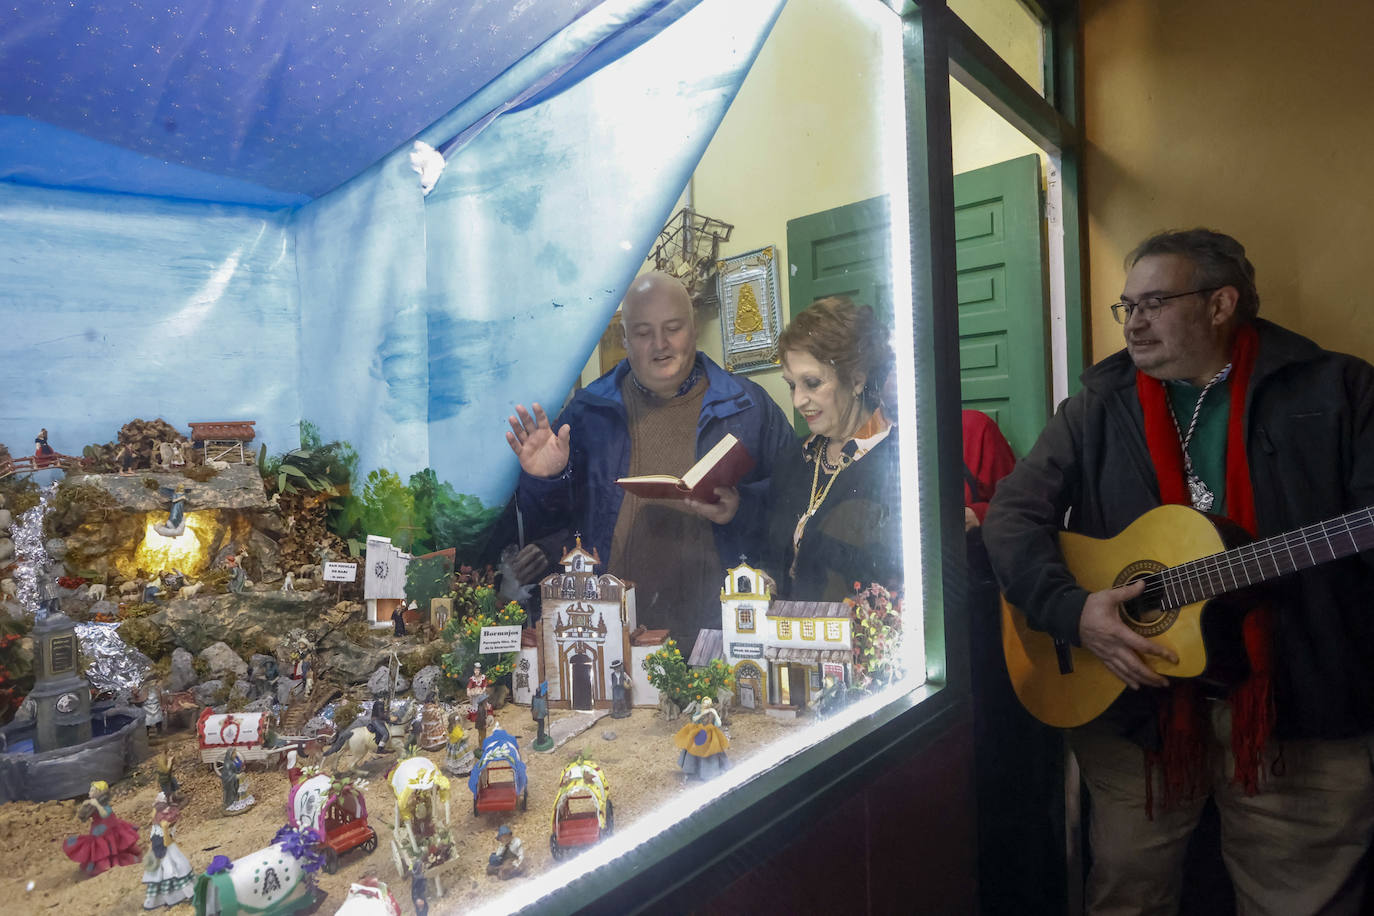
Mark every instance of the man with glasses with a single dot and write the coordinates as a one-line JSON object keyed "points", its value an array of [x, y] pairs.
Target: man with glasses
{"points": [[1210, 406]]}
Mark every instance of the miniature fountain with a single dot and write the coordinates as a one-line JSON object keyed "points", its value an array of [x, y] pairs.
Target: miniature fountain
{"points": [[68, 742]]}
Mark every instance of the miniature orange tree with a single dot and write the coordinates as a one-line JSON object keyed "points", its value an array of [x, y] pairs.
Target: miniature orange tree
{"points": [[669, 674], [877, 636], [475, 606]]}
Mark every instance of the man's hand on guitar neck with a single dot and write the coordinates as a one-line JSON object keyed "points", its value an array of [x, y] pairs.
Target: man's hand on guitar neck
{"points": [[1102, 632]]}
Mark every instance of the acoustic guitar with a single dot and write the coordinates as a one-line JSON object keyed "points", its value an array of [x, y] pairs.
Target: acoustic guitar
{"points": [[1183, 557]]}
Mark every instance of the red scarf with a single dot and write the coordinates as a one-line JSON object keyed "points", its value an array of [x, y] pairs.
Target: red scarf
{"points": [[1182, 718]]}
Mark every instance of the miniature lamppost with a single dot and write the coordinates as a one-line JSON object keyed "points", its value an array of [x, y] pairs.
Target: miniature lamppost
{"points": [[61, 695]]}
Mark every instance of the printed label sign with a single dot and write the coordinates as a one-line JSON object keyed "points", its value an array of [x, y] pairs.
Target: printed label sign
{"points": [[746, 649], [340, 572], [499, 639]]}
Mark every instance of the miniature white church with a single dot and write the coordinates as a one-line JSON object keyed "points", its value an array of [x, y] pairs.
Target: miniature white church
{"points": [[588, 624], [780, 651]]}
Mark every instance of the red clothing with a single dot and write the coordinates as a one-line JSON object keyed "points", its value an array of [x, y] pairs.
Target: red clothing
{"points": [[111, 842], [987, 456]]}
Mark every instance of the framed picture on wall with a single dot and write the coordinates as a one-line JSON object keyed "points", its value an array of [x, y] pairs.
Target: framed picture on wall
{"points": [[749, 312]]}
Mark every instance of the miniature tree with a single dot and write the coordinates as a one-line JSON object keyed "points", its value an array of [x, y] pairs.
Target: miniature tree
{"points": [[877, 636], [670, 676], [428, 578], [475, 606]]}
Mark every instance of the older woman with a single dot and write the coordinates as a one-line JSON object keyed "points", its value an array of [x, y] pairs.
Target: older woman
{"points": [[832, 503]]}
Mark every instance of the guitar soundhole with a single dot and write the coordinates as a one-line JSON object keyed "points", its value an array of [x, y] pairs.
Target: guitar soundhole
{"points": [[1145, 617]]}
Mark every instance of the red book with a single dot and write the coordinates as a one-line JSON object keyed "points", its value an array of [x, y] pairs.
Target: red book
{"points": [[723, 466]]}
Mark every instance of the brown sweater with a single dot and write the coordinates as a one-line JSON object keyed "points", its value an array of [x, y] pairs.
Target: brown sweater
{"points": [[669, 553]]}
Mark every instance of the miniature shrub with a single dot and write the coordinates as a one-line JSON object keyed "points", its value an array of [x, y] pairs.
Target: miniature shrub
{"points": [[877, 636], [147, 637], [345, 713], [668, 672], [423, 657], [200, 472], [16, 669], [474, 607]]}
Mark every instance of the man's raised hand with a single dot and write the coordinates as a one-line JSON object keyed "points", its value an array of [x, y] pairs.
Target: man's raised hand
{"points": [[541, 453]]}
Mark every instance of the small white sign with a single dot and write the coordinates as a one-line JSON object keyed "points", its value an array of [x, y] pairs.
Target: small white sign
{"points": [[499, 639], [340, 572]]}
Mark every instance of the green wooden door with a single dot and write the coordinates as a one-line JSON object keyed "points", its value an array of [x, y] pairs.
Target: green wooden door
{"points": [[841, 252], [1004, 355]]}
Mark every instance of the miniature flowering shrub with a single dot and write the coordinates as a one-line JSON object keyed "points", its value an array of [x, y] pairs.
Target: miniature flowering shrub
{"points": [[475, 606], [668, 673], [877, 636], [16, 673]]}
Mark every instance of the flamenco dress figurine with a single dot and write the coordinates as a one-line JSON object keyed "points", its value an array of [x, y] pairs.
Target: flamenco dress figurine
{"points": [[703, 744], [111, 841], [166, 870]]}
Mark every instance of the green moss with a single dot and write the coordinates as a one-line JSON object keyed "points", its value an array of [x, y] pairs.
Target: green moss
{"points": [[200, 472], [73, 504]]}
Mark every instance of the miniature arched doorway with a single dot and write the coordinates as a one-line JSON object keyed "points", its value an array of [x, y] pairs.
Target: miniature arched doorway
{"points": [[581, 665], [749, 685], [744, 585]]}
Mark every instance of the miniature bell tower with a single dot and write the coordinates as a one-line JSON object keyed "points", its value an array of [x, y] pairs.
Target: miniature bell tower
{"points": [[60, 693]]}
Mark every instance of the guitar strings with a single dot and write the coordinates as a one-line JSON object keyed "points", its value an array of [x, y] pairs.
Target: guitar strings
{"points": [[1204, 577]]}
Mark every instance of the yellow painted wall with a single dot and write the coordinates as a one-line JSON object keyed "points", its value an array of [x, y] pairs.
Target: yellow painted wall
{"points": [[1255, 119]]}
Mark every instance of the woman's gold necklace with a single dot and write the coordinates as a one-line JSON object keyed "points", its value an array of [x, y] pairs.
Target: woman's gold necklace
{"points": [[818, 494]]}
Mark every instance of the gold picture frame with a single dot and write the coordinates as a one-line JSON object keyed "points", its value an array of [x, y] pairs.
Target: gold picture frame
{"points": [[750, 316]]}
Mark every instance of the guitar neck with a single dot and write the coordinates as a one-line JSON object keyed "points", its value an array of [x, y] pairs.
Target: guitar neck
{"points": [[1260, 561]]}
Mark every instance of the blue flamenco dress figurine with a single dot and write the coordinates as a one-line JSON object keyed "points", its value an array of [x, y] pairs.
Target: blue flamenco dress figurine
{"points": [[703, 744]]}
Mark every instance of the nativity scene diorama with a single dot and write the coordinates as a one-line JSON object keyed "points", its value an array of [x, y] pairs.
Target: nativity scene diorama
{"points": [[150, 619]]}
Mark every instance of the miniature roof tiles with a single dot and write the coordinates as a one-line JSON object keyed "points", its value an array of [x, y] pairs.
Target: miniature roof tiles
{"points": [[809, 609]]}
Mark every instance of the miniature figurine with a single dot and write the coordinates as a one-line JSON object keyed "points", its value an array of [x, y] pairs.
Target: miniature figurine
{"points": [[508, 860], [167, 781], [539, 711], [481, 712], [460, 758], [620, 690], [112, 841], [231, 782], [289, 583], [149, 695], [42, 451], [125, 458], [175, 526], [702, 743], [398, 620], [238, 576], [413, 732], [476, 684], [832, 697], [166, 870], [418, 889], [379, 726], [434, 726]]}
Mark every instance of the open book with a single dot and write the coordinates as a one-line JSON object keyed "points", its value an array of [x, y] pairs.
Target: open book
{"points": [[723, 466]]}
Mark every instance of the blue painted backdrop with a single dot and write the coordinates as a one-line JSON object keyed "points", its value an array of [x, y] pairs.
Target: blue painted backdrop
{"points": [[406, 325]]}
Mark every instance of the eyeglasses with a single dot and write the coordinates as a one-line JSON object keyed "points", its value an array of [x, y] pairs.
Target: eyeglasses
{"points": [[1150, 305]]}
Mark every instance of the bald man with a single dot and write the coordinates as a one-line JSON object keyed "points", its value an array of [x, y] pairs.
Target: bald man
{"points": [[658, 411]]}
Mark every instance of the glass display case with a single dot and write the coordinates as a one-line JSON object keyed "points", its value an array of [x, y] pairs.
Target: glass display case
{"points": [[471, 238]]}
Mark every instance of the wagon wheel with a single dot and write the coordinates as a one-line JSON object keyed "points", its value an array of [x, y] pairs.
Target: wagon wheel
{"points": [[370, 843], [610, 816], [554, 848], [331, 861]]}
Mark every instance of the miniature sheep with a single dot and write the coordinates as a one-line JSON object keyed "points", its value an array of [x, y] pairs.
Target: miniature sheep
{"points": [[97, 592], [190, 591], [132, 587], [9, 589]]}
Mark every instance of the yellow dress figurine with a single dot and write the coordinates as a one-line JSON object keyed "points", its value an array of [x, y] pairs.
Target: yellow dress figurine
{"points": [[702, 744]]}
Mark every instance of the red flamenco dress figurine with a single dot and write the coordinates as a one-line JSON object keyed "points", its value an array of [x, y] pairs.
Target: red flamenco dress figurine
{"points": [[111, 842]]}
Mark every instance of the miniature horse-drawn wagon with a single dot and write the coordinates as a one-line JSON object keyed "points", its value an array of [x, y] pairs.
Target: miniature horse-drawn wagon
{"points": [[335, 809], [421, 829], [582, 810], [498, 781], [247, 732]]}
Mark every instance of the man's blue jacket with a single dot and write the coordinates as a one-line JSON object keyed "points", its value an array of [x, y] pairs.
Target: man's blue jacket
{"points": [[586, 499]]}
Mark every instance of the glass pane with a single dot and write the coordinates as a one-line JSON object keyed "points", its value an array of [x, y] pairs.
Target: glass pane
{"points": [[1010, 29]]}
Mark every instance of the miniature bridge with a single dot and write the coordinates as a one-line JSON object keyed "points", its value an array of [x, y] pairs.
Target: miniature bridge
{"points": [[27, 464]]}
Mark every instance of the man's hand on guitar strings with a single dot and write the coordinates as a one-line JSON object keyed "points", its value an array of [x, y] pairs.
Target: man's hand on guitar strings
{"points": [[1102, 632]]}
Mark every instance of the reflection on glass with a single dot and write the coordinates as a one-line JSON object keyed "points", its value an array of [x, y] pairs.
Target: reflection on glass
{"points": [[1010, 29]]}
